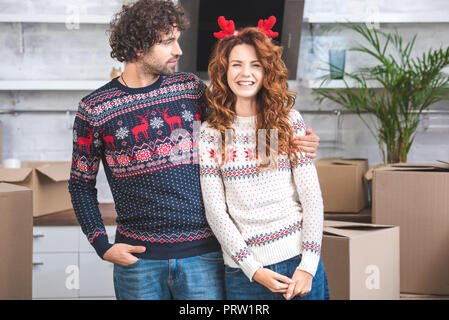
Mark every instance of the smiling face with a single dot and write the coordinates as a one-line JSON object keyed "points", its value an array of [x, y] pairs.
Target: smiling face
{"points": [[245, 72], [162, 58]]}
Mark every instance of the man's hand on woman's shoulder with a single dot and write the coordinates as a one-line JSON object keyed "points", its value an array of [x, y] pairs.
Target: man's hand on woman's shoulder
{"points": [[307, 144]]}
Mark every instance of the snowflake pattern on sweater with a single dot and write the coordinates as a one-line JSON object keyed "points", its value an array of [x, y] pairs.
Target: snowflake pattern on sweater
{"points": [[144, 139], [260, 217]]}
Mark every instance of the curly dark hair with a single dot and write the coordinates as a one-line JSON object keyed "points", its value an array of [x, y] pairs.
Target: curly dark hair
{"points": [[139, 26]]}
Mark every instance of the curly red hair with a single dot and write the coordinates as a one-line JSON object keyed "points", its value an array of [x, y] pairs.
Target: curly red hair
{"points": [[275, 99]]}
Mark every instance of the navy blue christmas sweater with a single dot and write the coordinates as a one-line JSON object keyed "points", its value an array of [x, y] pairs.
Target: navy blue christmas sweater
{"points": [[145, 140]]}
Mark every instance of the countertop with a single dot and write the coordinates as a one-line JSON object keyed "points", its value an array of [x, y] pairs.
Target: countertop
{"points": [[364, 216], [68, 218]]}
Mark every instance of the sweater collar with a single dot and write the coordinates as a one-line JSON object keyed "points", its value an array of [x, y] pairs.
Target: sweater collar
{"points": [[245, 120], [146, 89]]}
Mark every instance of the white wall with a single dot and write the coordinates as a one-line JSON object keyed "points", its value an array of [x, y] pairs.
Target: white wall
{"points": [[56, 51]]}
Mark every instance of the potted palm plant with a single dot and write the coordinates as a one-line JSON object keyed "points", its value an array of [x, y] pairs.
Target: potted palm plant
{"points": [[409, 86]]}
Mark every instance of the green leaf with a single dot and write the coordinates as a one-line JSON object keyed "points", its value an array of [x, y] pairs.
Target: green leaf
{"points": [[410, 86]]}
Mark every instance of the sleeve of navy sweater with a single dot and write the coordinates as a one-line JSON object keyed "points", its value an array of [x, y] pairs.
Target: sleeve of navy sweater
{"points": [[86, 157]]}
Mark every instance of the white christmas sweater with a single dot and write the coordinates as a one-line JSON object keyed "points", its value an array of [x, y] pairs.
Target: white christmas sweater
{"points": [[260, 217]]}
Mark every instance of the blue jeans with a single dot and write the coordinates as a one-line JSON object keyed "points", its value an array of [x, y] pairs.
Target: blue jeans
{"points": [[238, 286], [193, 278]]}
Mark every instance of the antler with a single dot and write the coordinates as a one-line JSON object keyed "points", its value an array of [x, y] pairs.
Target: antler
{"points": [[227, 27], [146, 115], [266, 25]]}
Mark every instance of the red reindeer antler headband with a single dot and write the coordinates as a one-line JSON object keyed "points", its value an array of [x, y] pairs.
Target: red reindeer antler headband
{"points": [[266, 25], [228, 27]]}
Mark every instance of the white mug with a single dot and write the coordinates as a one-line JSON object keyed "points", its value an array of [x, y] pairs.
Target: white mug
{"points": [[11, 163]]}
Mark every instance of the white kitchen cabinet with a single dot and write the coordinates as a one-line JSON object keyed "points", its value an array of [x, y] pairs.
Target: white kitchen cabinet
{"points": [[95, 271], [56, 239], [66, 266], [55, 275], [95, 276]]}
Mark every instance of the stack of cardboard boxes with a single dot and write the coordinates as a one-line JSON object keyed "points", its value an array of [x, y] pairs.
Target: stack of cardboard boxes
{"points": [[361, 259], [375, 261]]}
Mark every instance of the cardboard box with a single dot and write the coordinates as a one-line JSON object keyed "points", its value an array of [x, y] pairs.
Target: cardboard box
{"points": [[361, 260], [49, 182], [416, 198], [16, 245], [342, 182]]}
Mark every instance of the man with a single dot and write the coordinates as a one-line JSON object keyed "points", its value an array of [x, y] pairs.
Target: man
{"points": [[140, 125]]}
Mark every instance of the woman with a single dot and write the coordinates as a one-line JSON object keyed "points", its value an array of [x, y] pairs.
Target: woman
{"points": [[265, 209]]}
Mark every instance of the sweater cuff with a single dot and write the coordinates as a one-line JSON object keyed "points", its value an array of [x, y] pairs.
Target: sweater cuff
{"points": [[309, 262], [101, 245], [249, 267]]}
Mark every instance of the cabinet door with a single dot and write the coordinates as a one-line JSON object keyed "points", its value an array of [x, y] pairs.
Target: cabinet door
{"points": [[55, 275], [84, 244], [96, 276], [55, 239]]}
